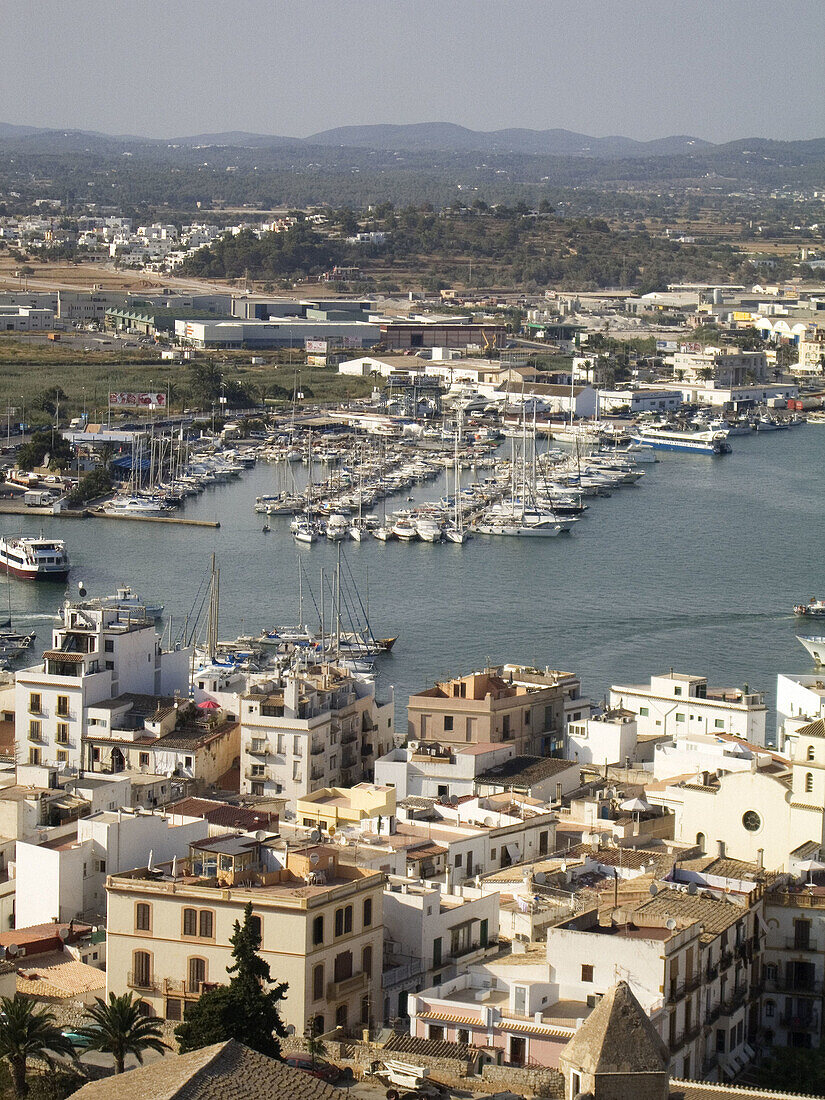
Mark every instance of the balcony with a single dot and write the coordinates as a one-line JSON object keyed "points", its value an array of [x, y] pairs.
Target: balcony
{"points": [[714, 1013], [712, 973], [256, 773], [794, 944], [316, 774], [347, 986], [676, 992], [348, 738], [725, 960], [316, 750], [800, 1021], [734, 1000], [693, 982], [366, 750], [802, 986], [710, 1064], [257, 748], [143, 982]]}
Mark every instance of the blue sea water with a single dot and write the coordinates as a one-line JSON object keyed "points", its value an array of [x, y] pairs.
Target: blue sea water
{"points": [[697, 568]]}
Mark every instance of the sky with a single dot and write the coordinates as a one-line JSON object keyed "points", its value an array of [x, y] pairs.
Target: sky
{"points": [[715, 69]]}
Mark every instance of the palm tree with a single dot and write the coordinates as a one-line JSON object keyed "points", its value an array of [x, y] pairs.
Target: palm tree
{"points": [[118, 1028], [28, 1030]]}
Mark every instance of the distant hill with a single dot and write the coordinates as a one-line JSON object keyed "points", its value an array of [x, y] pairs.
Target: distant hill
{"points": [[444, 136], [428, 137]]}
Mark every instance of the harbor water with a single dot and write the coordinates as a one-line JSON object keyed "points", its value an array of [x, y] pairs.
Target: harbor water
{"points": [[696, 567]]}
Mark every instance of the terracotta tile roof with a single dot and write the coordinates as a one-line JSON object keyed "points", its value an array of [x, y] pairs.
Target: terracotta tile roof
{"points": [[715, 914], [223, 813], [226, 1071], [404, 1043], [521, 771], [56, 974]]}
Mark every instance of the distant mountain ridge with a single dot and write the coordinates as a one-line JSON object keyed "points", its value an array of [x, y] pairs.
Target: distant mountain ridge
{"points": [[422, 138]]}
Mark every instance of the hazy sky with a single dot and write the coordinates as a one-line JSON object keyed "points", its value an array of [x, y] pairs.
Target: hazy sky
{"points": [[718, 69]]}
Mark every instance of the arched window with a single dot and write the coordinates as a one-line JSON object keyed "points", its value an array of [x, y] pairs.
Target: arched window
{"points": [[811, 752], [197, 974], [190, 922], [809, 782], [141, 969], [366, 961], [341, 1016], [318, 1025], [700, 841]]}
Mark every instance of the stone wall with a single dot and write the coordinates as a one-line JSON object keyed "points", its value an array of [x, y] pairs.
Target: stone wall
{"points": [[538, 1081]]}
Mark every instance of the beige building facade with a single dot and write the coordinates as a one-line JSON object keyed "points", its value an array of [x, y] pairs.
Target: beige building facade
{"points": [[321, 930]]}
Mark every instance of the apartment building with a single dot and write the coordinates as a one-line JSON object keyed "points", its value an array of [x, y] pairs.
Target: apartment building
{"points": [[509, 704], [794, 969], [677, 703], [321, 929], [66, 880], [431, 934], [313, 728], [96, 654]]}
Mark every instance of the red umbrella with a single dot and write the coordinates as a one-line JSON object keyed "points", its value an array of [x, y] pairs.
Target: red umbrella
{"points": [[209, 704]]}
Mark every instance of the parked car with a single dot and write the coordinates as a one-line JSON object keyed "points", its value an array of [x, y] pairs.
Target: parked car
{"points": [[326, 1071], [76, 1038]]}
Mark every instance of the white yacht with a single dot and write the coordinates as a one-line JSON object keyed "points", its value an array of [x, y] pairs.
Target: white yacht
{"points": [[815, 646]]}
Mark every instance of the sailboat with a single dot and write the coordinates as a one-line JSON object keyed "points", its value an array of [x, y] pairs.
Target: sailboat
{"points": [[306, 530], [384, 532], [454, 531]]}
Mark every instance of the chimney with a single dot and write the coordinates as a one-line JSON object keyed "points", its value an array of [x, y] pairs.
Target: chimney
{"points": [[760, 858], [720, 849]]}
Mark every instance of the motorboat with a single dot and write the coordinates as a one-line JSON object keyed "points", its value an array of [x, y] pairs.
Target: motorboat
{"points": [[813, 609], [405, 530], [815, 646], [428, 530], [125, 599], [34, 559]]}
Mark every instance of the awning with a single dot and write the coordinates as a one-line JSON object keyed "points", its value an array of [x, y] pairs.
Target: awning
{"points": [[513, 851]]}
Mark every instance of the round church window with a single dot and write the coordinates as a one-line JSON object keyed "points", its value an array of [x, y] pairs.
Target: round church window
{"points": [[751, 820]]}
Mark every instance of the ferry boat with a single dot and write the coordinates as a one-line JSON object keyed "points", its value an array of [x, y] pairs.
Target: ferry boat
{"points": [[813, 609], [674, 439], [815, 646], [34, 559]]}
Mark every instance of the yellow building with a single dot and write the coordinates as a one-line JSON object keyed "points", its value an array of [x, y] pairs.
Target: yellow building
{"points": [[321, 929], [334, 807]]}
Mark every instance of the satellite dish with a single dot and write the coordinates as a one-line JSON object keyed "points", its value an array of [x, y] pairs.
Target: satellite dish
{"points": [[670, 923], [654, 890], [81, 588], [692, 888], [453, 799], [12, 949], [540, 878], [489, 822], [61, 935], [315, 836], [563, 866], [260, 835], [314, 859]]}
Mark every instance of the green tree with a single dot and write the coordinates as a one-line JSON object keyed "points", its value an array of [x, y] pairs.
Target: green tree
{"points": [[27, 1031], [117, 1027], [794, 1070], [245, 1009], [33, 452]]}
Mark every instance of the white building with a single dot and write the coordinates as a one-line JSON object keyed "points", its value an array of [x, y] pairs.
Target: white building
{"points": [[25, 319], [68, 881], [726, 366], [314, 728], [640, 400], [431, 934], [96, 654], [677, 702], [608, 738], [799, 701], [695, 752], [293, 332]]}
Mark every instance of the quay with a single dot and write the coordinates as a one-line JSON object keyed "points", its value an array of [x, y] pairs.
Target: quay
{"points": [[98, 513]]}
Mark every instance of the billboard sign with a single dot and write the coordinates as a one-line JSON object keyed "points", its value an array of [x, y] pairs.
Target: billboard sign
{"points": [[691, 349], [122, 399], [315, 347]]}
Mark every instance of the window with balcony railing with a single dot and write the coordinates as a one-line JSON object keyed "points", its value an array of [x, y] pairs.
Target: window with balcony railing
{"points": [[62, 707]]}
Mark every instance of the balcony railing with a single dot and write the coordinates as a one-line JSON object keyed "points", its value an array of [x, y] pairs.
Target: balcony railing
{"points": [[348, 738], [712, 973], [784, 984], [725, 960], [347, 986], [316, 750], [734, 1000], [800, 1021], [254, 773], [257, 748], [793, 944], [144, 982], [710, 1063]]}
